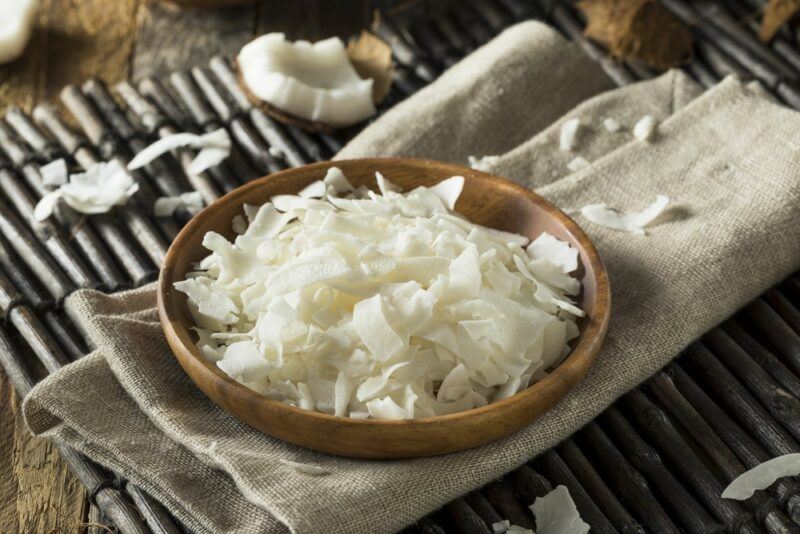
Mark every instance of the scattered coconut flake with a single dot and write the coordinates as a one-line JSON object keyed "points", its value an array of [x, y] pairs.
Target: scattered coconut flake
{"points": [[18, 17], [276, 152], [577, 164], [516, 529], [308, 469], [315, 82], [762, 476], [382, 305], [55, 173], [634, 223], [483, 164], [645, 128], [501, 526], [569, 131], [612, 125], [100, 188], [214, 147], [555, 513], [192, 202]]}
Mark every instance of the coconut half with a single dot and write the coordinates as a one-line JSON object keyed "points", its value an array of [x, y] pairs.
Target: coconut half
{"points": [[311, 85], [16, 25]]}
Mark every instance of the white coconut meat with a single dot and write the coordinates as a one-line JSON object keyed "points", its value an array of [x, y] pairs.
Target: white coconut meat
{"points": [[612, 125], [577, 163], [213, 148], [483, 164], [16, 26], [192, 202], [55, 173], [634, 223], [762, 476], [382, 305], [645, 128], [312, 81], [556, 513], [306, 469], [568, 133]]}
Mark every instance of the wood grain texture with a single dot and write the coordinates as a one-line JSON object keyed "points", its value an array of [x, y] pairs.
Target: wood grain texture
{"points": [[486, 200]]}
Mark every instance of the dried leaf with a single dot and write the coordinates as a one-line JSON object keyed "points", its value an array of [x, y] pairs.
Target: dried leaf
{"points": [[372, 58], [640, 29], [776, 14]]}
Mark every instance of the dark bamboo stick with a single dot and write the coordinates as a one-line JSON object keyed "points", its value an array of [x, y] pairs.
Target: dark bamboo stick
{"points": [[156, 517], [745, 447], [141, 228], [437, 47], [483, 508], [78, 225], [111, 147], [646, 460], [628, 483], [597, 489], [653, 420], [254, 148], [404, 52], [557, 472], [529, 484], [467, 520], [784, 308], [470, 23], [520, 9], [702, 73], [458, 40], [155, 122], [426, 525], [718, 61], [500, 494], [495, 17], [765, 508]]}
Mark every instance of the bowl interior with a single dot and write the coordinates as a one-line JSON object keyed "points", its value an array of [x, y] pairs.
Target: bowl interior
{"points": [[486, 200]]}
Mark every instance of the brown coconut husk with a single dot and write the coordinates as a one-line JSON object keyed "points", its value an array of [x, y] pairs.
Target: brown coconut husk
{"points": [[776, 14], [369, 55], [639, 29]]}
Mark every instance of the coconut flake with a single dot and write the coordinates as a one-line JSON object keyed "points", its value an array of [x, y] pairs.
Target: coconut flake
{"points": [[100, 188], [315, 81], [483, 164], [577, 163], [552, 249], [555, 513], [501, 526], [192, 202], [18, 17], [634, 223], [306, 469], [762, 476], [612, 125], [645, 128], [568, 133], [55, 173], [214, 147]]}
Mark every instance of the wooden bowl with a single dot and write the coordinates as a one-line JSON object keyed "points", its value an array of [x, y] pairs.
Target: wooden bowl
{"points": [[487, 200]]}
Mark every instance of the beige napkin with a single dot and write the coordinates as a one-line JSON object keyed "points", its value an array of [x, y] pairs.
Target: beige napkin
{"points": [[726, 158]]}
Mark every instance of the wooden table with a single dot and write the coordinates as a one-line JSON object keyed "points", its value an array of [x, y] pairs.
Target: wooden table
{"points": [[116, 40]]}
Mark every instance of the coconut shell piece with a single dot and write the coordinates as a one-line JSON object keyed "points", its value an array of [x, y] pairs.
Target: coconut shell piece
{"points": [[776, 14], [640, 29], [371, 56]]}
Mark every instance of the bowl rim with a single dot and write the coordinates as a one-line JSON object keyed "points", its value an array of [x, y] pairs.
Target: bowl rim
{"points": [[577, 361]]}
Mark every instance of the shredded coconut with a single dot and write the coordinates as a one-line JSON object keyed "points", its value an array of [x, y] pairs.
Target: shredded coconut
{"points": [[645, 128], [612, 125], [214, 147], [762, 476], [555, 513], [100, 188], [577, 164], [192, 202], [275, 152], [55, 173], [383, 305], [483, 164], [634, 223], [568, 133]]}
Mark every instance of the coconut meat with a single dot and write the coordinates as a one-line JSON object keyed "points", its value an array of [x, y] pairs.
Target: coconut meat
{"points": [[16, 25]]}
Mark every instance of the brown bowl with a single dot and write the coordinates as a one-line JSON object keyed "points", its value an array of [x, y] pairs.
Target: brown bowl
{"points": [[487, 200]]}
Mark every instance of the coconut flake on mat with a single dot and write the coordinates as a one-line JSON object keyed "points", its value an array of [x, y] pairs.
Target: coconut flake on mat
{"points": [[483, 164], [192, 202], [381, 305], [634, 223], [16, 25], [762, 476], [501, 526], [276, 152], [611, 125], [100, 188], [568, 133], [555, 513], [308, 469], [312, 81], [516, 529], [214, 148], [577, 164], [55, 173], [645, 128]]}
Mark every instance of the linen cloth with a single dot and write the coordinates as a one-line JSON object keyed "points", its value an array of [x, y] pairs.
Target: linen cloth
{"points": [[726, 158]]}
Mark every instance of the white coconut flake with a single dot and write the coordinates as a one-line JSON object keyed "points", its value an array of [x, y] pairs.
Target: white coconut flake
{"points": [[55, 173], [501, 526], [276, 152], [516, 529], [483, 164], [634, 223], [577, 163], [315, 81], [555, 513], [100, 188], [192, 202], [214, 148], [16, 26], [611, 125], [645, 128], [762, 476], [381, 305], [306, 469], [568, 133]]}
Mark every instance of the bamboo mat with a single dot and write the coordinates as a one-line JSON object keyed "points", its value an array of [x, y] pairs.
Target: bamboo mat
{"points": [[656, 461]]}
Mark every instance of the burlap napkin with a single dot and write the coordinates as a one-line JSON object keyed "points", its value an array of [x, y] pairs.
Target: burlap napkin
{"points": [[726, 158]]}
